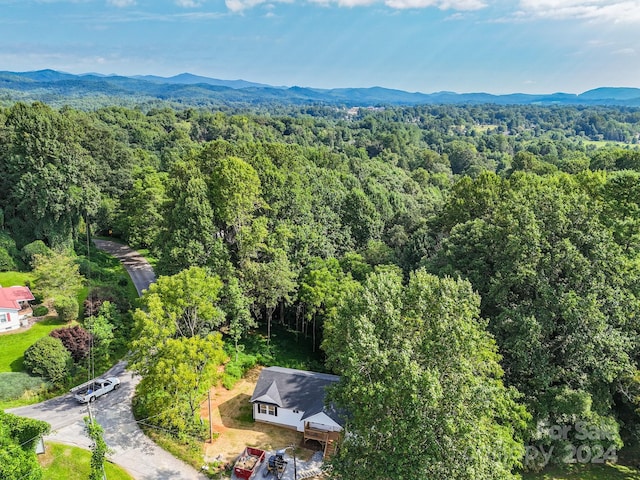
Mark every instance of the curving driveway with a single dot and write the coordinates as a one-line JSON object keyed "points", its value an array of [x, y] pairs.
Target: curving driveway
{"points": [[140, 271], [132, 450]]}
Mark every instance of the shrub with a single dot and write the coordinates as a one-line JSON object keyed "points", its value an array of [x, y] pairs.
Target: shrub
{"points": [[234, 370], [14, 385], [48, 358], [75, 339], [40, 311], [7, 263], [8, 244], [67, 308], [37, 247]]}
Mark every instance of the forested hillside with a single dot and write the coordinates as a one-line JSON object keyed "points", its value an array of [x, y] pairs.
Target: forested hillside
{"points": [[484, 258]]}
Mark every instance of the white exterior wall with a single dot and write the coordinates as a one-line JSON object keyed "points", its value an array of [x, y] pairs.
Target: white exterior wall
{"points": [[285, 417], [14, 320], [322, 421]]}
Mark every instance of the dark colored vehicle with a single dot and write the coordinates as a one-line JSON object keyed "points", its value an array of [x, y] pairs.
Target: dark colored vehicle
{"points": [[276, 465]]}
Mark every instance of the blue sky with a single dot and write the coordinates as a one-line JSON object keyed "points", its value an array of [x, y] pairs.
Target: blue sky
{"points": [[495, 46]]}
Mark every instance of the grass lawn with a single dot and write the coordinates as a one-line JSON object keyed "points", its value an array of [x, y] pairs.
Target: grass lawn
{"points": [[63, 462], [13, 345], [604, 143], [10, 279], [586, 472]]}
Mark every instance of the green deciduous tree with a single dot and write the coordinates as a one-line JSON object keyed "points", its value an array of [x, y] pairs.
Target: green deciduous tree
{"points": [[175, 350], [56, 275], [67, 307], [142, 208], [32, 249], [18, 437], [234, 187], [189, 235], [420, 383], [237, 308], [269, 282], [48, 176], [102, 329], [182, 305], [174, 384], [320, 289], [560, 294]]}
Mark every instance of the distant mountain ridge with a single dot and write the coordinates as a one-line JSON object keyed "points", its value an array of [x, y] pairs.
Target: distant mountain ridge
{"points": [[191, 79], [186, 88]]}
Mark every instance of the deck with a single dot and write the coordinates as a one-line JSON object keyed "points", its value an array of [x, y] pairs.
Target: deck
{"points": [[328, 439]]}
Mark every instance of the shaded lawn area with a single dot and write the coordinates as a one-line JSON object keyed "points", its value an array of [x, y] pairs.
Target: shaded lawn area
{"points": [[287, 348], [13, 345], [586, 472], [63, 462]]}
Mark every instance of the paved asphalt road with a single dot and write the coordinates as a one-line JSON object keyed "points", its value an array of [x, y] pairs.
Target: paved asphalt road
{"points": [[132, 450], [139, 269]]}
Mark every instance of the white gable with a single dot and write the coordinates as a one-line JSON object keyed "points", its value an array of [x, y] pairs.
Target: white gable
{"points": [[325, 420]]}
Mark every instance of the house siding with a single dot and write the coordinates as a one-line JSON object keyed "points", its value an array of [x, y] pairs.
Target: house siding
{"points": [[285, 417], [322, 421], [12, 320]]}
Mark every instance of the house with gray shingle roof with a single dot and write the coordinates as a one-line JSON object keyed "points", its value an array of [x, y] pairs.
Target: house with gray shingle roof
{"points": [[296, 399]]}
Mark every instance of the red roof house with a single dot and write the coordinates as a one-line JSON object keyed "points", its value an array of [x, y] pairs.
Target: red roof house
{"points": [[14, 306]]}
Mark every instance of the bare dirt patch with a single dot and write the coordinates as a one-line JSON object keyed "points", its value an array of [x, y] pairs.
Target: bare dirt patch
{"points": [[232, 420]]}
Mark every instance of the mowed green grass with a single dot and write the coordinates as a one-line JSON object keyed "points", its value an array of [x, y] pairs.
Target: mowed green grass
{"points": [[63, 462], [10, 279], [13, 345], [586, 472]]}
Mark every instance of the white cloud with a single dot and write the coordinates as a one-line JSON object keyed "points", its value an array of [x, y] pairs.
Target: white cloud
{"points": [[187, 3], [441, 4], [625, 51], [593, 10], [121, 3], [239, 5]]}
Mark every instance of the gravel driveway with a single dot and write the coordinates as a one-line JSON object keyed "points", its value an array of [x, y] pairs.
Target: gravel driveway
{"points": [[132, 450]]}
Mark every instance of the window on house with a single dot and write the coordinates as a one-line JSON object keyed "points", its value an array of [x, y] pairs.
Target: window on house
{"points": [[267, 409], [3, 318]]}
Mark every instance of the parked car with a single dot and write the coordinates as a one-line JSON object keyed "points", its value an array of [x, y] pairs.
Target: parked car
{"points": [[89, 391]]}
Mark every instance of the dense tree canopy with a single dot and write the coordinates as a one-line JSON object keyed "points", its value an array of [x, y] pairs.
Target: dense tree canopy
{"points": [[18, 437], [421, 382], [272, 214]]}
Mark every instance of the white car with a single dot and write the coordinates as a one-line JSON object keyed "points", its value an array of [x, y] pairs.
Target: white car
{"points": [[89, 391]]}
